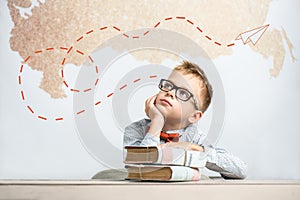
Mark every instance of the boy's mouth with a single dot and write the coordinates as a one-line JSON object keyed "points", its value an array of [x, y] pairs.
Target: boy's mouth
{"points": [[166, 101]]}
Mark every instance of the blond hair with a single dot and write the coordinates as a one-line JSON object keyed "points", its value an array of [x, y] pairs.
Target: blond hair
{"points": [[206, 91]]}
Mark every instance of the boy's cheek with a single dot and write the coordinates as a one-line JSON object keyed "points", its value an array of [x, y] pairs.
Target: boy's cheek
{"points": [[176, 110], [157, 96], [178, 107]]}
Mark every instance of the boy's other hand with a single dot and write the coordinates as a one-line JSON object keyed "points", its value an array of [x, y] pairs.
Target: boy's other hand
{"points": [[184, 145]]}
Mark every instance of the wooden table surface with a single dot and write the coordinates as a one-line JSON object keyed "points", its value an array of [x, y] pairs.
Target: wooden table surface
{"points": [[108, 189]]}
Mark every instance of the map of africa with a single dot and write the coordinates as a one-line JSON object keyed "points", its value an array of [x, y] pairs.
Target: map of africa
{"points": [[46, 31]]}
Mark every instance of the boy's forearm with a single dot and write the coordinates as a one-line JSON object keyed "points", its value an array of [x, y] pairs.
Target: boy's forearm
{"points": [[153, 134], [156, 127], [186, 146], [228, 165]]}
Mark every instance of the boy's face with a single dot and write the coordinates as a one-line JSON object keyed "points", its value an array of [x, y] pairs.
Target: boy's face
{"points": [[175, 110]]}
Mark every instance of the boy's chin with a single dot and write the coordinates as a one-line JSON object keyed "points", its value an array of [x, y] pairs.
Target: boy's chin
{"points": [[167, 112], [163, 109]]}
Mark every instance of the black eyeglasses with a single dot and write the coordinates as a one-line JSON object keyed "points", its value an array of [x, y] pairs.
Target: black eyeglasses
{"points": [[181, 93]]}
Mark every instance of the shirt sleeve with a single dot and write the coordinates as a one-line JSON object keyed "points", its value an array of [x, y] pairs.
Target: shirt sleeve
{"points": [[228, 165], [219, 160], [135, 135]]}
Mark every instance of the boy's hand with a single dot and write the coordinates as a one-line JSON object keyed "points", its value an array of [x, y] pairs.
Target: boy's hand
{"points": [[184, 145], [157, 118], [152, 111]]}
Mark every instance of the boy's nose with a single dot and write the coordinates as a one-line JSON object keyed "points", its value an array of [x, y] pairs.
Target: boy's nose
{"points": [[171, 93]]}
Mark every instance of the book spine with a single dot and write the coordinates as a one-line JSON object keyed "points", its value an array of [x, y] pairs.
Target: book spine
{"points": [[195, 159], [182, 173], [166, 156], [182, 157]]}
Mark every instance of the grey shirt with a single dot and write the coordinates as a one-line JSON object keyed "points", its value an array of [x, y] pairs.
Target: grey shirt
{"points": [[219, 160]]}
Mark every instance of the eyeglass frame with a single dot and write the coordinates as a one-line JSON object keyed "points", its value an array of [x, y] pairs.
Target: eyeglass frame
{"points": [[176, 89]]}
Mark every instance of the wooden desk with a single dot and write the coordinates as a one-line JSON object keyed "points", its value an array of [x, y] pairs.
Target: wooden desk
{"points": [[95, 189]]}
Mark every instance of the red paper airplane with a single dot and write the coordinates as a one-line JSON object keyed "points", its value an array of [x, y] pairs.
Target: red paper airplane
{"points": [[252, 35]]}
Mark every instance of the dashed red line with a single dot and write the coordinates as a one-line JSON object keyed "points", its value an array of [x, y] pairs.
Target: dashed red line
{"points": [[66, 84], [89, 89], [189, 21], [89, 32], [70, 49], [199, 29], [97, 103], [63, 48], [30, 109], [79, 38], [27, 58], [20, 82], [96, 69], [80, 112], [110, 94], [21, 69], [41, 117], [136, 80], [116, 28], [80, 52], [63, 61], [121, 88], [74, 90], [96, 82], [208, 37], [105, 27], [38, 51], [91, 59], [157, 25], [22, 95]]}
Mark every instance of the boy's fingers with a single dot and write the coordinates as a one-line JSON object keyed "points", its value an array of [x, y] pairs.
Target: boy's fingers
{"points": [[196, 147], [148, 103], [149, 100], [152, 99]]}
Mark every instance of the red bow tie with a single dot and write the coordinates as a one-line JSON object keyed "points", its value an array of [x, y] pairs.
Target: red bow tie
{"points": [[169, 137]]}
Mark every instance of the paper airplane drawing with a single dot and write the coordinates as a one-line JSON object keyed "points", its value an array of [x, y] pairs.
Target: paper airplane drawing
{"points": [[252, 35]]}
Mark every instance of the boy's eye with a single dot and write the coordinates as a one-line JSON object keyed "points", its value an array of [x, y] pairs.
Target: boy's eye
{"points": [[168, 86], [183, 94]]}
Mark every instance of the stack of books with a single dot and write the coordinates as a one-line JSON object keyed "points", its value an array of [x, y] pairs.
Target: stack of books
{"points": [[155, 163]]}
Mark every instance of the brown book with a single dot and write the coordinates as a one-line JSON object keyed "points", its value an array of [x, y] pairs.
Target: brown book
{"points": [[137, 154], [163, 155], [162, 173]]}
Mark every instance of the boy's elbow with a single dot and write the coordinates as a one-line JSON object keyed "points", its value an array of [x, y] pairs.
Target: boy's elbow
{"points": [[240, 173], [243, 170], [244, 173]]}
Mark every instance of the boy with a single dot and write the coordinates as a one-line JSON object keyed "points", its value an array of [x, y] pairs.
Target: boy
{"points": [[183, 98]]}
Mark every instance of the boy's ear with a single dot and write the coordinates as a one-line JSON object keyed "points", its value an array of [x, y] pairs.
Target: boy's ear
{"points": [[195, 117]]}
